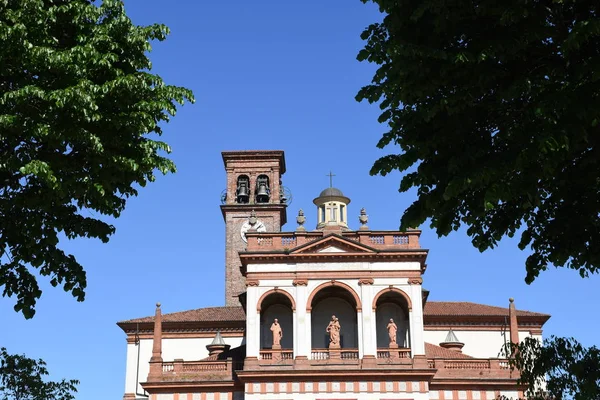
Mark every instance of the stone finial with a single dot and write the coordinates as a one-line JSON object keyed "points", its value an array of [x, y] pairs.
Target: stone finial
{"points": [[514, 325], [300, 219], [217, 346], [363, 219], [452, 342]]}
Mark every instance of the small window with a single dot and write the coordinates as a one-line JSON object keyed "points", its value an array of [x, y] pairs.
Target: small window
{"points": [[333, 214], [322, 213], [342, 212]]}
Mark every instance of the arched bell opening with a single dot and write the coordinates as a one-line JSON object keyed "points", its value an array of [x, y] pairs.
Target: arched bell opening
{"points": [[276, 306], [392, 305], [339, 302], [242, 192], [263, 189]]}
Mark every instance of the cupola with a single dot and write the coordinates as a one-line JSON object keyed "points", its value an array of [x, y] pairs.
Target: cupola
{"points": [[332, 210]]}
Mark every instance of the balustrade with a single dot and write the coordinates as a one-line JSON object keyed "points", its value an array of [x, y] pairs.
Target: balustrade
{"points": [[325, 354], [191, 370], [393, 353], [269, 241], [474, 367], [269, 354]]}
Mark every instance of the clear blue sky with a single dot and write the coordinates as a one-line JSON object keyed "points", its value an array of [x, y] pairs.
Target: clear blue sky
{"points": [[266, 75]]}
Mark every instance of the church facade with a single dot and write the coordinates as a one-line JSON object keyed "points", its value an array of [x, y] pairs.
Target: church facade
{"points": [[330, 313]]}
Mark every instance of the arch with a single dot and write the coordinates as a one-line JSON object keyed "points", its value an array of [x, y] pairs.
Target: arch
{"points": [[394, 290], [275, 291], [334, 283]]}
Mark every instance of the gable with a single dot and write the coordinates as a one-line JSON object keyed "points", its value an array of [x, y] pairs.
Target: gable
{"points": [[332, 249], [332, 243]]}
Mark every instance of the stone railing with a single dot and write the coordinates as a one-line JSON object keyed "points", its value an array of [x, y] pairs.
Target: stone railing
{"points": [[326, 354], [276, 356], [493, 368], [388, 240], [179, 370], [393, 353]]}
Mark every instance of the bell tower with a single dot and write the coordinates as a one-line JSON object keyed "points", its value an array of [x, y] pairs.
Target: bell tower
{"points": [[254, 200]]}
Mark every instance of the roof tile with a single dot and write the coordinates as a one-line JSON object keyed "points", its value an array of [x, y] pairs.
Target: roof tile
{"points": [[465, 308], [432, 308], [209, 314], [433, 351]]}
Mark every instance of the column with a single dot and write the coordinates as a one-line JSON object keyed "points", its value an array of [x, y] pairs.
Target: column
{"points": [[252, 323]]}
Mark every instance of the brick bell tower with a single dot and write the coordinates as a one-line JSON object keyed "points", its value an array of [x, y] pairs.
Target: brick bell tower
{"points": [[254, 201]]}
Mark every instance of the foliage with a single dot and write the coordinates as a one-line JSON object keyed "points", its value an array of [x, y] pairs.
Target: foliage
{"points": [[79, 117], [495, 108], [21, 379], [568, 369]]}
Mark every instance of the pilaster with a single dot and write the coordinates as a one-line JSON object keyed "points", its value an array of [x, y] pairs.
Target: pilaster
{"points": [[369, 330], [301, 339], [416, 320], [252, 323]]}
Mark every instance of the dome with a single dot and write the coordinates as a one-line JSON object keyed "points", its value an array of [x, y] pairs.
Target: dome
{"points": [[331, 191]]}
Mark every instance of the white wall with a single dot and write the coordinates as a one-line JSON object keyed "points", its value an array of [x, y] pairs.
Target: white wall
{"points": [[192, 349], [479, 344]]}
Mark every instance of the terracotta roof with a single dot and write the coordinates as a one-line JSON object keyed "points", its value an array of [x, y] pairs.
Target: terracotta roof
{"points": [[432, 309], [433, 351], [209, 314], [465, 308]]}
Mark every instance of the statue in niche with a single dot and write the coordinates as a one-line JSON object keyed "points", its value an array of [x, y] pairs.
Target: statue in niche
{"points": [[277, 334], [334, 332], [392, 332]]}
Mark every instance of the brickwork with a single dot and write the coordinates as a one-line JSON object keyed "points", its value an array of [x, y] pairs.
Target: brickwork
{"points": [[272, 214]]}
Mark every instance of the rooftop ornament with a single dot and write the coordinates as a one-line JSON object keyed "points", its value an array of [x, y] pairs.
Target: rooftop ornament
{"points": [[363, 219]]}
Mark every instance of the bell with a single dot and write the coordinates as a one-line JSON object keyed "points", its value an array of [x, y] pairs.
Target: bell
{"points": [[242, 194], [262, 194]]}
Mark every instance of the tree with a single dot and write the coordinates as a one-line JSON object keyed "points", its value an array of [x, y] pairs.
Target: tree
{"points": [[495, 108], [21, 378], [562, 365], [80, 114]]}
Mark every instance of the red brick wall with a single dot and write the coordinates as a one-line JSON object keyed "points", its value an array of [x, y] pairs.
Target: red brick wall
{"points": [[273, 214]]}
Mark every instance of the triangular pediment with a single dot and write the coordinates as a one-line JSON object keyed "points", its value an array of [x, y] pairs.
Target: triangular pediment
{"points": [[332, 244]]}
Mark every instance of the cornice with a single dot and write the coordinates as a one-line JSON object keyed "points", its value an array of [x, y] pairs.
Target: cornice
{"points": [[343, 374]]}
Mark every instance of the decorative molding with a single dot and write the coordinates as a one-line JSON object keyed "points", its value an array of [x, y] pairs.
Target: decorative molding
{"points": [[333, 282], [415, 281], [393, 289], [252, 282], [300, 282], [273, 291], [365, 281]]}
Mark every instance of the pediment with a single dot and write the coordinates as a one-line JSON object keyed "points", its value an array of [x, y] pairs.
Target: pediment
{"points": [[332, 244]]}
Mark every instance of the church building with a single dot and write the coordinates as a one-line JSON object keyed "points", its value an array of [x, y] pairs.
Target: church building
{"points": [[325, 313]]}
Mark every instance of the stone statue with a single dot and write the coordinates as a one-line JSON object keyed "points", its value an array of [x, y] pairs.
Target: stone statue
{"points": [[277, 334], [392, 331], [334, 332]]}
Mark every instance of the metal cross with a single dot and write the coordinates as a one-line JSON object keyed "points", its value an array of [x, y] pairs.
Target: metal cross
{"points": [[330, 175]]}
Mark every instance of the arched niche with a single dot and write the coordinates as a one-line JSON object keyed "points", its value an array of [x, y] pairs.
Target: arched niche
{"points": [[263, 189], [395, 304], [242, 191], [272, 305], [341, 301]]}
